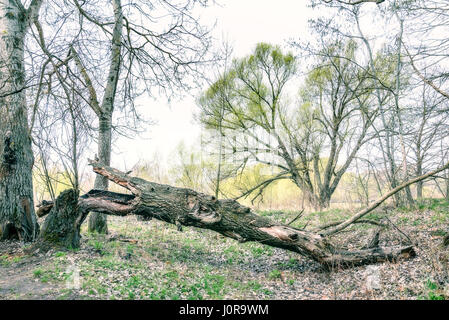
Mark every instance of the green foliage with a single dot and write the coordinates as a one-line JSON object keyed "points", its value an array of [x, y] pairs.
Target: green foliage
{"points": [[37, 273], [60, 254], [4, 261], [433, 291], [274, 274], [249, 92]]}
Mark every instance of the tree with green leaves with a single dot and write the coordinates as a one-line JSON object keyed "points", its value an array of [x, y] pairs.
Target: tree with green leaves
{"points": [[304, 140]]}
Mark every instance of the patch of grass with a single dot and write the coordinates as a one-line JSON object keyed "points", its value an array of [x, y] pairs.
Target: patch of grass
{"points": [[433, 204], [134, 282], [37, 273], [213, 285], [259, 250], [41, 275], [5, 261], [433, 292], [290, 264], [439, 233], [97, 245], [274, 274], [253, 285], [440, 216], [52, 272], [404, 220], [59, 254]]}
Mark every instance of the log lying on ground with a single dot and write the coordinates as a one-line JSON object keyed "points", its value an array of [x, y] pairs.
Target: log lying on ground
{"points": [[186, 207]]}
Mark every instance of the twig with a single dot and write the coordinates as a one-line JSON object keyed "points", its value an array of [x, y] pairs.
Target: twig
{"points": [[331, 224], [297, 217], [411, 242]]}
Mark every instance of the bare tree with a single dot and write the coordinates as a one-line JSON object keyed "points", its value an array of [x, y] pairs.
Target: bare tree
{"points": [[146, 57]]}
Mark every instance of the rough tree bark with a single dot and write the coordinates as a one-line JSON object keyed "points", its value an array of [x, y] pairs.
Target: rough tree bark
{"points": [[186, 207], [98, 221], [62, 226], [17, 217]]}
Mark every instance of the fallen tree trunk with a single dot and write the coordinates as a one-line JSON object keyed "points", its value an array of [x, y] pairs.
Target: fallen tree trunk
{"points": [[186, 207]]}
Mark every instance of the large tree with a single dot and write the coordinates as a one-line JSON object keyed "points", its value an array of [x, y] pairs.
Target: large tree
{"points": [[304, 140], [17, 217], [111, 59]]}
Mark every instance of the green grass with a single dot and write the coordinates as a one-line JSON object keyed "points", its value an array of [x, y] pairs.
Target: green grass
{"points": [[59, 254], [433, 292], [432, 204], [274, 274], [37, 273], [4, 260], [197, 263]]}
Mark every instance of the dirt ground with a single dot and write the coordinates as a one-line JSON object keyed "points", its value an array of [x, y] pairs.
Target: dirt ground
{"points": [[152, 260]]}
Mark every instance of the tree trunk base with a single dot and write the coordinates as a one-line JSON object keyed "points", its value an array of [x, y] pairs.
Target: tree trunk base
{"points": [[61, 228]]}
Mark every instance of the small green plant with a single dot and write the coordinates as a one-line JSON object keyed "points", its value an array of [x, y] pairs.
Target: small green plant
{"points": [[37, 273], [433, 290], [134, 282], [253, 285], [60, 254], [274, 274], [130, 249], [439, 233], [17, 259], [257, 251], [4, 261], [41, 275], [213, 285], [98, 245]]}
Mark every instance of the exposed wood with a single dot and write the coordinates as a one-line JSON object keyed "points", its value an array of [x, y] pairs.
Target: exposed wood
{"points": [[44, 208]]}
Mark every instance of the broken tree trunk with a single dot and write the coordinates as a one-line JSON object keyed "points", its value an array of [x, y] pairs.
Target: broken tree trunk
{"points": [[186, 207], [62, 225]]}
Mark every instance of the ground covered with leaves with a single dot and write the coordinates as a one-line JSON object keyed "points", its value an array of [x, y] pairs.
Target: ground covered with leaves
{"points": [[152, 260]]}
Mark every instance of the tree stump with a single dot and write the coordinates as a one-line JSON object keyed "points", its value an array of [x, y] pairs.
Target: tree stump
{"points": [[62, 225]]}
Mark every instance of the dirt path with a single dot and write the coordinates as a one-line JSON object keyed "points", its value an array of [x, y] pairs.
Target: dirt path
{"points": [[17, 279]]}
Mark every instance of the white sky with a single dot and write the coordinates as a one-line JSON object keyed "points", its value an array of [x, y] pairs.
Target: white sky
{"points": [[244, 23]]}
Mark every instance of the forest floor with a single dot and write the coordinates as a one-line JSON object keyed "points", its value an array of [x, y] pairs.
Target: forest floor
{"points": [[152, 260]]}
